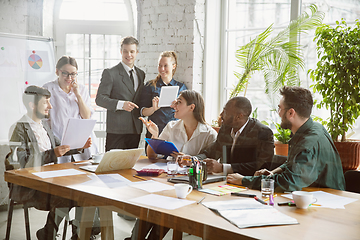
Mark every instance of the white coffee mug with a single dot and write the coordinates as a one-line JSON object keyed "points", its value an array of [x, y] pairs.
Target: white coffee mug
{"points": [[182, 189], [303, 199], [97, 157]]}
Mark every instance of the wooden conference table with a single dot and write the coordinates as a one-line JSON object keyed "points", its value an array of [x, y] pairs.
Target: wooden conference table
{"points": [[315, 223]]}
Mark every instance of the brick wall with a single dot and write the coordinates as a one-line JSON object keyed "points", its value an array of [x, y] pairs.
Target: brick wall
{"points": [[173, 25]]}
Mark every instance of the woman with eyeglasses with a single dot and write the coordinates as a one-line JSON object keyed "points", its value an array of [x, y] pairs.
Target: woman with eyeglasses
{"points": [[69, 99]]}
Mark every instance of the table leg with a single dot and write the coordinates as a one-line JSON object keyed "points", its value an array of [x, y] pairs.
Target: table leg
{"points": [[106, 224], [85, 223], [143, 229], [177, 235]]}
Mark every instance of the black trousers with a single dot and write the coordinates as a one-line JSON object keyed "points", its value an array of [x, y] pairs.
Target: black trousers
{"points": [[121, 141]]}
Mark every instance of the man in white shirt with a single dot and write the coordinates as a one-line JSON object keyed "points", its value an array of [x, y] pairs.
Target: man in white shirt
{"points": [[38, 146], [249, 144], [119, 92]]}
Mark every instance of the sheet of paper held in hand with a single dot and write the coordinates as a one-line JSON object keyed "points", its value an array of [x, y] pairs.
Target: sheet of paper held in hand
{"points": [[161, 201], [77, 131], [249, 213], [167, 95]]}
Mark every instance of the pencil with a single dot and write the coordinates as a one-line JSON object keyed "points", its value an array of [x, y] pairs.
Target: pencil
{"points": [[200, 200], [135, 176], [267, 199]]}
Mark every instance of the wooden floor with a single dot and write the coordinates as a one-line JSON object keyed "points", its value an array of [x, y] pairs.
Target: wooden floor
{"points": [[122, 227]]}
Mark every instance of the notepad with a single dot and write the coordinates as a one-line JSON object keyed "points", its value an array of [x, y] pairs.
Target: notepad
{"points": [[222, 190]]}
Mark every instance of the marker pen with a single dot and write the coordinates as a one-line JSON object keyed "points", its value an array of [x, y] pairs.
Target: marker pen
{"points": [[260, 200], [291, 204], [242, 194]]}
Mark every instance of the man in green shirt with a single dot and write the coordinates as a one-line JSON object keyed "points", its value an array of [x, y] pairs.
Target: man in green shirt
{"points": [[313, 159]]}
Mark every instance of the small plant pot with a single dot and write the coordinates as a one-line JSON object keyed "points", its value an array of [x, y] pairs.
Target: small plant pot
{"points": [[281, 149], [349, 154]]}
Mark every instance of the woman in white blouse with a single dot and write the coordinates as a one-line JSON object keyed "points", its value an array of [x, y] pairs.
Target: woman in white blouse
{"points": [[190, 134], [69, 99]]}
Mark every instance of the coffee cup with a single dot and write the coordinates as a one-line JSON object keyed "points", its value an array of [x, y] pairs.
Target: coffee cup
{"points": [[97, 157], [303, 199], [182, 189]]}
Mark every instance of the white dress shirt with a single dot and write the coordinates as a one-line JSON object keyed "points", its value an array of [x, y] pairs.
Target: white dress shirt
{"points": [[175, 132], [64, 107], [120, 103], [41, 135]]}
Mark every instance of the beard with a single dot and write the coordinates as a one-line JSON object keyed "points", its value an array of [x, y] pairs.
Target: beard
{"points": [[40, 115], [285, 124]]}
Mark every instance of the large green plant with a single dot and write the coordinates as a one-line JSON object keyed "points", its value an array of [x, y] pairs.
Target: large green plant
{"points": [[337, 75], [277, 58]]}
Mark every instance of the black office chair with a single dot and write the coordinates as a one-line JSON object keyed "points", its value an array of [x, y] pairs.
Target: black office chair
{"points": [[352, 180], [12, 203]]}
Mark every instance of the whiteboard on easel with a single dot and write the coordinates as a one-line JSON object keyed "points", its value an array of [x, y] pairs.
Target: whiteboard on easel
{"points": [[24, 61]]}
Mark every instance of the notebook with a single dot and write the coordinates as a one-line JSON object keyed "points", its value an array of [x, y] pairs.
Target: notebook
{"points": [[161, 146], [116, 159]]}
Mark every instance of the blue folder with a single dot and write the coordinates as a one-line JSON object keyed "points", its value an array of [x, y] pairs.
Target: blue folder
{"points": [[161, 146]]}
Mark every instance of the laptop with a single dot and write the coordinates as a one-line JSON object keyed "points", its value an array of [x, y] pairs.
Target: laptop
{"points": [[116, 159]]}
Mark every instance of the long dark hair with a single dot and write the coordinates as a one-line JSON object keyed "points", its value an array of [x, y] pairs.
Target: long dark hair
{"points": [[193, 97]]}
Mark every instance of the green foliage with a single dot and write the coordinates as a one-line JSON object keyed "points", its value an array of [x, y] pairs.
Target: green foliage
{"points": [[278, 58], [336, 76], [282, 135]]}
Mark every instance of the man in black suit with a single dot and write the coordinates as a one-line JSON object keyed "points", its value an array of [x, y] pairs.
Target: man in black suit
{"points": [[119, 92], [249, 144]]}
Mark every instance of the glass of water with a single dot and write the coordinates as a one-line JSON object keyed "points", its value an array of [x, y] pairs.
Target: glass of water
{"points": [[267, 187], [172, 166]]}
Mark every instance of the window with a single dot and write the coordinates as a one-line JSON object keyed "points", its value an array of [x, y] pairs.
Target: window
{"points": [[246, 19]]}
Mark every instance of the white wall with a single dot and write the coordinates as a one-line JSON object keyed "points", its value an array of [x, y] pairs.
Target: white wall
{"points": [[173, 25]]}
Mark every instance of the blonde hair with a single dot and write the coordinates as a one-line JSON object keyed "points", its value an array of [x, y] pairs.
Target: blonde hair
{"points": [[173, 56]]}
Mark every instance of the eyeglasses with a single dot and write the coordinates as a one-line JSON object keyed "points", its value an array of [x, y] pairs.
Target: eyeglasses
{"points": [[279, 109], [66, 74]]}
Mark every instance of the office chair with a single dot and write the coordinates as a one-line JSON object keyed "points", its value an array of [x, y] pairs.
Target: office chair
{"points": [[352, 179]]}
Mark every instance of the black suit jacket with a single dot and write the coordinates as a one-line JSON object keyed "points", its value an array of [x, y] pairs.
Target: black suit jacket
{"points": [[116, 85], [255, 135]]}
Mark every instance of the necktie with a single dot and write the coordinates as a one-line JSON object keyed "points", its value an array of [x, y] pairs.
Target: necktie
{"points": [[131, 77]]}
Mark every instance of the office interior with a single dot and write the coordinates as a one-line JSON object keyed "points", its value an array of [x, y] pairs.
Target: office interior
{"points": [[204, 33]]}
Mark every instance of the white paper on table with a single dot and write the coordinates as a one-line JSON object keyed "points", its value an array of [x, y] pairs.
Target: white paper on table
{"points": [[162, 201], [328, 200], [58, 173], [249, 213], [168, 94], [77, 131], [112, 180], [163, 166], [151, 186]]}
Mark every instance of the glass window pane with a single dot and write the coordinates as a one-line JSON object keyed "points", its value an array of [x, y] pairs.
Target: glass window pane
{"points": [[97, 46], [112, 47], [104, 10], [75, 45]]}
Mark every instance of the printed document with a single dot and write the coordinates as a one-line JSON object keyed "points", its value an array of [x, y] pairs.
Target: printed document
{"points": [[245, 213]]}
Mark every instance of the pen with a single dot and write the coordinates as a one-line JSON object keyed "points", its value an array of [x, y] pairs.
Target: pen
{"points": [[260, 200], [271, 201], [243, 194], [135, 176], [200, 200], [267, 199], [291, 204], [234, 185]]}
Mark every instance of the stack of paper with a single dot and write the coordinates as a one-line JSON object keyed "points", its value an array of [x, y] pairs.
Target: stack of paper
{"points": [[245, 213], [328, 200]]}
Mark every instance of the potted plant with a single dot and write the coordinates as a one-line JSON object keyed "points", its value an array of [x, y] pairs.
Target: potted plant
{"points": [[336, 78], [277, 58], [282, 136]]}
